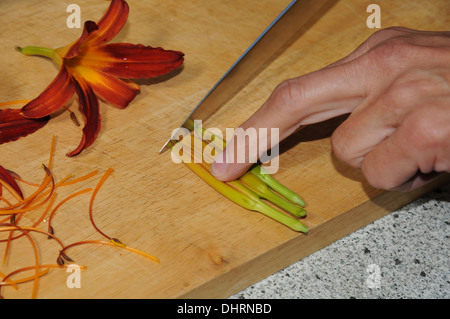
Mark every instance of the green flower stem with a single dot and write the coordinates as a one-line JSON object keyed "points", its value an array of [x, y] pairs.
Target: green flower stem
{"points": [[41, 51], [284, 219], [261, 187], [242, 199], [260, 172], [244, 189], [246, 192], [263, 191], [218, 142]]}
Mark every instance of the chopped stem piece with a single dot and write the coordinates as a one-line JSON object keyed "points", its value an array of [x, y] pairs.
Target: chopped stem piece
{"points": [[246, 192], [245, 201], [263, 191], [260, 172]]}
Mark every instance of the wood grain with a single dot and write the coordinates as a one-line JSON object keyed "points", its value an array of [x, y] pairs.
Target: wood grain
{"points": [[208, 247]]}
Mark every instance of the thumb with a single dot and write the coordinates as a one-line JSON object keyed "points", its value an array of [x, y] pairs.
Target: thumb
{"points": [[308, 99]]}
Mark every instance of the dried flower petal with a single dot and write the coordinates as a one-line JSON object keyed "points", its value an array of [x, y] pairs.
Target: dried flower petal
{"points": [[52, 98], [60, 260], [63, 255], [90, 110], [6, 177], [133, 61], [112, 22], [13, 125]]}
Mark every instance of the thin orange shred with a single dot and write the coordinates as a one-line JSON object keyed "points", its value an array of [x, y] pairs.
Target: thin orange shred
{"points": [[14, 102], [91, 203], [87, 190], [43, 199]]}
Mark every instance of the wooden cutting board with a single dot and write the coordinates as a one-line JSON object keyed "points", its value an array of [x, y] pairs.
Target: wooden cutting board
{"points": [[208, 247]]}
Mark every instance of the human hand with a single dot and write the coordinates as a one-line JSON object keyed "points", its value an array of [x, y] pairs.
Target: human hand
{"points": [[396, 86]]}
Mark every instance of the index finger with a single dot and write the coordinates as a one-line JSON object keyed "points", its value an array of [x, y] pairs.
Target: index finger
{"points": [[308, 99]]}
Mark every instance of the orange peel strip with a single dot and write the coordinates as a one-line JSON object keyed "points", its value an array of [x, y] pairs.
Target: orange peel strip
{"points": [[112, 243], [36, 259], [91, 202], [87, 190], [3, 276], [6, 227], [47, 179], [22, 280], [52, 150], [14, 102], [14, 283], [77, 180], [28, 203], [10, 238], [11, 190]]}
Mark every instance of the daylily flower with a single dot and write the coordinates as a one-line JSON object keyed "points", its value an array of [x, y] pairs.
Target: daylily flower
{"points": [[92, 68]]}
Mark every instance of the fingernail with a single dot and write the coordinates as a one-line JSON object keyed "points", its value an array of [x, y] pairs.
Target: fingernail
{"points": [[219, 167]]}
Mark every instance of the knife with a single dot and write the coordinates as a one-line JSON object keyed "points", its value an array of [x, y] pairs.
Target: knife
{"points": [[285, 26]]}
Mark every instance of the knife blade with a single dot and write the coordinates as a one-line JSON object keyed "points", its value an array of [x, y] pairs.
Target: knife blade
{"points": [[272, 39]]}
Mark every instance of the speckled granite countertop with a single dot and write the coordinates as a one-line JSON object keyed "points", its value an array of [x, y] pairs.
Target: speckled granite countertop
{"points": [[405, 254]]}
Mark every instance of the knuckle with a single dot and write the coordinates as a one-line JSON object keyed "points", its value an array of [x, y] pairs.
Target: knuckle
{"points": [[429, 136], [374, 178], [397, 47], [386, 33], [287, 95], [393, 51], [413, 92], [424, 131], [402, 96], [342, 146]]}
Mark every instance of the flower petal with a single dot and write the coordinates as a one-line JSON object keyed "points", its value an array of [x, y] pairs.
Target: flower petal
{"points": [[112, 22], [115, 91], [13, 125], [132, 61], [52, 98], [99, 33], [6, 177], [90, 109], [74, 49]]}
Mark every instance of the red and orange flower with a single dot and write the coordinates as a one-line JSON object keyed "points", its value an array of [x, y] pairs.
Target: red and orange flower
{"points": [[91, 68]]}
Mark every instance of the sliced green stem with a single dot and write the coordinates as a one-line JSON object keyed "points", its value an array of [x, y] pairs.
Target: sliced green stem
{"points": [[264, 191], [246, 201], [241, 194], [281, 218], [260, 172]]}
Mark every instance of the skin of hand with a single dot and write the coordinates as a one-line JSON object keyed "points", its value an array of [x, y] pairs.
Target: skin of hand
{"points": [[396, 87]]}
